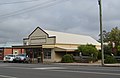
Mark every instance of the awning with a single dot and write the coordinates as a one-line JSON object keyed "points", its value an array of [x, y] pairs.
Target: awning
{"points": [[65, 48]]}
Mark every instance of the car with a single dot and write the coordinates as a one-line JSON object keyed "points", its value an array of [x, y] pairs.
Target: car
{"points": [[9, 58], [21, 58]]}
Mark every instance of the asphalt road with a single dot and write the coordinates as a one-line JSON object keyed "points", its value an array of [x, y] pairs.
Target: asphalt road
{"points": [[17, 70]]}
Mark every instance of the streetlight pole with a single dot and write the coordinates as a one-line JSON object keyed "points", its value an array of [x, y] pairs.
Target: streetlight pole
{"points": [[101, 31]]}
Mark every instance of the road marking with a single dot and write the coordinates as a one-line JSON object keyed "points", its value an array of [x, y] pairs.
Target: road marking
{"points": [[52, 69], [86, 72], [44, 68], [99, 69], [70, 71], [41, 68], [4, 76], [18, 67]]}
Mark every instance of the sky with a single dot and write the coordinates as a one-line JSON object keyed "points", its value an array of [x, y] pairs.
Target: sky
{"points": [[18, 18]]}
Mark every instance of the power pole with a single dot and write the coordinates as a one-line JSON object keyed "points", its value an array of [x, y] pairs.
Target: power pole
{"points": [[101, 31]]}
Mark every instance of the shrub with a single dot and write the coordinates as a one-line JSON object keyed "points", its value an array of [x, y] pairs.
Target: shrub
{"points": [[67, 58], [99, 55], [109, 59]]}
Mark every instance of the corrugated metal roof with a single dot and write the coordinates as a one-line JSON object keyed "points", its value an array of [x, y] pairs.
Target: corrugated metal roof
{"points": [[67, 38]]}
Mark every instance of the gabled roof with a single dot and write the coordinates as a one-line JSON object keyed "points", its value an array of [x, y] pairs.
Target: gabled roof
{"points": [[67, 38], [35, 30]]}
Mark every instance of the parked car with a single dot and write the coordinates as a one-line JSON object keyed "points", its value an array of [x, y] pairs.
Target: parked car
{"points": [[9, 58], [21, 58]]}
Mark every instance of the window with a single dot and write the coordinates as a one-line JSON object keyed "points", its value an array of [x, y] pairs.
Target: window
{"points": [[47, 53]]}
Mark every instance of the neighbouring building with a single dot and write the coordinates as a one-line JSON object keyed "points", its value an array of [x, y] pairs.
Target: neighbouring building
{"points": [[7, 48], [54, 44]]}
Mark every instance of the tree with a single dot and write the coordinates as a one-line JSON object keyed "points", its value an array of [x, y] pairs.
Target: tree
{"points": [[115, 36], [106, 36], [118, 53], [107, 49], [109, 59], [88, 50], [113, 39]]}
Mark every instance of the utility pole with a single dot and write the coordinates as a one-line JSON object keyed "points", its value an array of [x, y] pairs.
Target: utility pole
{"points": [[101, 31]]}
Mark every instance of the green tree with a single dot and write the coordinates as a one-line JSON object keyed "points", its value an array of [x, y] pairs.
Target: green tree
{"points": [[114, 36], [107, 49], [118, 50], [106, 36], [89, 50], [109, 59], [113, 39]]}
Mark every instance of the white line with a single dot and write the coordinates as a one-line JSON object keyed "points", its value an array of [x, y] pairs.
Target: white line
{"points": [[18, 67], [100, 69], [70, 71], [7, 76], [44, 68], [99, 73]]}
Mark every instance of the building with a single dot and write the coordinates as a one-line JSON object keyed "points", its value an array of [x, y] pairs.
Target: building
{"points": [[7, 48], [54, 44]]}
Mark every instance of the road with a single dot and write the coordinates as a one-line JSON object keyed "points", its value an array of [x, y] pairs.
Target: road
{"points": [[17, 70]]}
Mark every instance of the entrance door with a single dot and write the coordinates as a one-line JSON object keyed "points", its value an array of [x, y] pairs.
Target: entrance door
{"points": [[34, 53]]}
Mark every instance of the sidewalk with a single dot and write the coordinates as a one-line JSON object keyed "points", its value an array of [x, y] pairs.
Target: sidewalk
{"points": [[112, 65], [89, 64], [79, 64]]}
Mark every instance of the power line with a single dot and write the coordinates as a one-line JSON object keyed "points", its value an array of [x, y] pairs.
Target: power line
{"points": [[26, 9], [38, 6], [5, 3]]}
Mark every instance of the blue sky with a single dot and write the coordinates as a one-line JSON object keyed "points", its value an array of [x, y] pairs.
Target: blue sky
{"points": [[18, 18]]}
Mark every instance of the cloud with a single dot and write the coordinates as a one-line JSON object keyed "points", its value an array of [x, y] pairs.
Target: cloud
{"points": [[73, 16]]}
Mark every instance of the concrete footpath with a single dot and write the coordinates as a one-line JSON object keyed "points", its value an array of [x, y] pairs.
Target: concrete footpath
{"points": [[89, 64], [112, 65]]}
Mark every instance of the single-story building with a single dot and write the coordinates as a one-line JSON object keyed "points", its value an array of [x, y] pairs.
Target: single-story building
{"points": [[54, 44], [7, 48]]}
